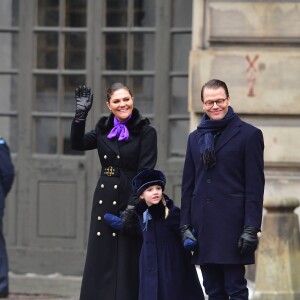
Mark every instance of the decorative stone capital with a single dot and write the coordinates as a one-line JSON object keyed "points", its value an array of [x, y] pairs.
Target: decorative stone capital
{"points": [[281, 204]]}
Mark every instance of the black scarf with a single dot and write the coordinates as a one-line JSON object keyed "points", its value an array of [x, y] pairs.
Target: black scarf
{"points": [[207, 128]]}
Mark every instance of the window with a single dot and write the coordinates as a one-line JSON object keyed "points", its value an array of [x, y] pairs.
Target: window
{"points": [[181, 33], [128, 37], [60, 65]]}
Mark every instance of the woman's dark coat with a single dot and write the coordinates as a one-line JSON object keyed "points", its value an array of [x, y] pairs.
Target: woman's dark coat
{"points": [[111, 267], [219, 202], [166, 272]]}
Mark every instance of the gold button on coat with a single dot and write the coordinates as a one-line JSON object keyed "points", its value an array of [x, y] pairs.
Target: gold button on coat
{"points": [[105, 156], [115, 202], [115, 186], [114, 234], [98, 233], [99, 218], [102, 186], [100, 201]]}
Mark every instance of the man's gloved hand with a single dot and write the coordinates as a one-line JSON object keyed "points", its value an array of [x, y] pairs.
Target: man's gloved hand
{"points": [[188, 239], [248, 241], [84, 101], [113, 221]]}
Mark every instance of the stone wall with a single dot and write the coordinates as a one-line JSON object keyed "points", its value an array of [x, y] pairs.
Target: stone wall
{"points": [[254, 47]]}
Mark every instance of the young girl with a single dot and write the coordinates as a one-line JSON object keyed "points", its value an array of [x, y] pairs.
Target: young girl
{"points": [[165, 268]]}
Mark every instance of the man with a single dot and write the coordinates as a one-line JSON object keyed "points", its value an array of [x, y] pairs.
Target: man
{"points": [[222, 195], [6, 181]]}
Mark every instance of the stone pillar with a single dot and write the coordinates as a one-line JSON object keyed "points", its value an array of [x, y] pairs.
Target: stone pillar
{"points": [[278, 257]]}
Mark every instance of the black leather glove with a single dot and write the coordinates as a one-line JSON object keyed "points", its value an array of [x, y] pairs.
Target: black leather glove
{"points": [[248, 241], [130, 222], [84, 101], [129, 214], [188, 239]]}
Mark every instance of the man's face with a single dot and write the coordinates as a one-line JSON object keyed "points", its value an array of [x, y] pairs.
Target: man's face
{"points": [[215, 103]]}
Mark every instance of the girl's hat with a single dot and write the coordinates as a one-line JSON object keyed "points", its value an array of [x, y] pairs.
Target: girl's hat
{"points": [[147, 178]]}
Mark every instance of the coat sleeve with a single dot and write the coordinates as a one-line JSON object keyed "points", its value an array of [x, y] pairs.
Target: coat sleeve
{"points": [[7, 171], [174, 218], [254, 179], [188, 183], [148, 149], [147, 155], [79, 139]]}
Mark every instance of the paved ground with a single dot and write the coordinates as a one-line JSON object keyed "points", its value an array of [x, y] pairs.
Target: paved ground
{"points": [[55, 287], [42, 287], [14, 296]]}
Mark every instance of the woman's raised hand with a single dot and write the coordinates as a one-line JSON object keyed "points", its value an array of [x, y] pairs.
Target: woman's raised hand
{"points": [[84, 101]]}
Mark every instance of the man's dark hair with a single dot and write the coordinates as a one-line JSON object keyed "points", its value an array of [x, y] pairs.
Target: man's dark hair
{"points": [[214, 84]]}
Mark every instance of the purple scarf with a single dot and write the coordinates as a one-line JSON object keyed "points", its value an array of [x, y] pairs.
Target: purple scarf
{"points": [[119, 130]]}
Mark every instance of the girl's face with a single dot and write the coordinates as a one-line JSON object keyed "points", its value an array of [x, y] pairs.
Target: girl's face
{"points": [[152, 195], [121, 104]]}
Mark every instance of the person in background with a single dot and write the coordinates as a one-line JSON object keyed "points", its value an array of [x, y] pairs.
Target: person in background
{"points": [[166, 271], [7, 174], [126, 144], [222, 194]]}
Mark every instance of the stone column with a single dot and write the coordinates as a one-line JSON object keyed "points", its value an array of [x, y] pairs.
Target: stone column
{"points": [[278, 256]]}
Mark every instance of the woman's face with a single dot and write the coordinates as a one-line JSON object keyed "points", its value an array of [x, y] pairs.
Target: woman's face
{"points": [[152, 195], [121, 104]]}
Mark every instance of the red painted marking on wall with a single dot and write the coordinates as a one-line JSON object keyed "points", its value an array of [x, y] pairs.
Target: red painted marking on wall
{"points": [[251, 70], [251, 62], [251, 86]]}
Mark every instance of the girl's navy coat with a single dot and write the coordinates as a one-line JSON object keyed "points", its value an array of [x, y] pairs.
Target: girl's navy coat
{"points": [[166, 271], [220, 201]]}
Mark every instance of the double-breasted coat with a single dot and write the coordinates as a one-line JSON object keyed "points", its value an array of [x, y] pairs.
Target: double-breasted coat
{"points": [[111, 267], [220, 201], [166, 271]]}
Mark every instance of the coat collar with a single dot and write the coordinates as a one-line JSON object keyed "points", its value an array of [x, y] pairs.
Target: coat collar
{"points": [[229, 132], [135, 125]]}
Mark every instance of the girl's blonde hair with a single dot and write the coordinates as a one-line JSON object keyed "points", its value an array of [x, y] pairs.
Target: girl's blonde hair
{"points": [[163, 200]]}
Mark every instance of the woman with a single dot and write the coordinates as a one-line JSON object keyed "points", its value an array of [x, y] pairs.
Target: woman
{"points": [[126, 144]]}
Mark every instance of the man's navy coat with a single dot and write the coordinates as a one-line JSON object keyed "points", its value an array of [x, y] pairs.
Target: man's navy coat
{"points": [[220, 201]]}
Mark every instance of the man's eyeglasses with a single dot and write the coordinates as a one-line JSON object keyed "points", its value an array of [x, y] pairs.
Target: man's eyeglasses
{"points": [[210, 103]]}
